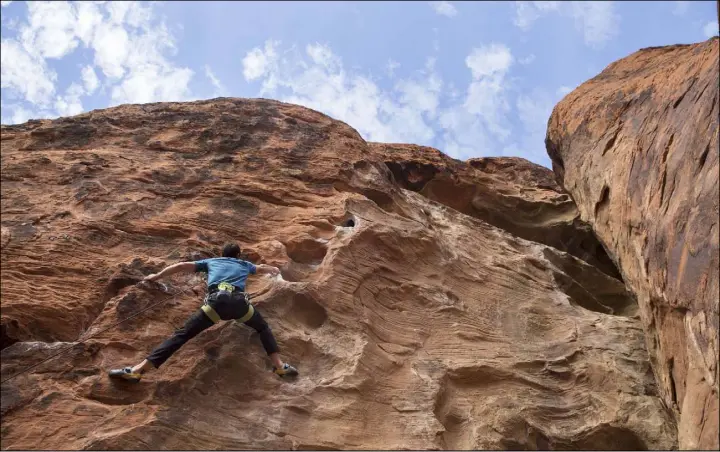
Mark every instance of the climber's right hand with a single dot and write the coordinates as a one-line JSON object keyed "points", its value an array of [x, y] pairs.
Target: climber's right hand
{"points": [[268, 270]]}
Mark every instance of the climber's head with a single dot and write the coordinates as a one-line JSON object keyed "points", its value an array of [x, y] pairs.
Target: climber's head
{"points": [[231, 250]]}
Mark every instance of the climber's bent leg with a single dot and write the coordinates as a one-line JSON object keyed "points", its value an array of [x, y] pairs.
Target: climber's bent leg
{"points": [[196, 324], [258, 323], [267, 338]]}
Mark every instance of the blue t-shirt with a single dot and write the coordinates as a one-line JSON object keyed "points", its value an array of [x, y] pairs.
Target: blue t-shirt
{"points": [[228, 269]]}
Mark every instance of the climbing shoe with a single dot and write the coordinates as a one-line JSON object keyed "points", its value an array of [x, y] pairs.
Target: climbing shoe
{"points": [[286, 371], [125, 374]]}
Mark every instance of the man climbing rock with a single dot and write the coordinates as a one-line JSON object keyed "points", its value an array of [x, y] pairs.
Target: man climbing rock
{"points": [[226, 301]]}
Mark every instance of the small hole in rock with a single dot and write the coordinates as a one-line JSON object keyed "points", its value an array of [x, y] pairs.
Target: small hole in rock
{"points": [[349, 223], [306, 251], [307, 311]]}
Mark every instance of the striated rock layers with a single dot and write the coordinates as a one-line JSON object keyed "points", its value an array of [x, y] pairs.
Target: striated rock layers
{"points": [[637, 148], [510, 193], [467, 309]]}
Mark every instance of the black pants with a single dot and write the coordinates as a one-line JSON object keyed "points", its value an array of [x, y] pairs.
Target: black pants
{"points": [[227, 309]]}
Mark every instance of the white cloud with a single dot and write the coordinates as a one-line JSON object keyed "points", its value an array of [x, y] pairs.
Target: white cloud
{"points": [[416, 109], [485, 98], [464, 135], [153, 83], [112, 46], [493, 59], [70, 104], [50, 30], [4, 3], [19, 115], [322, 55], [89, 19], [486, 93], [150, 76], [596, 20], [318, 79], [444, 8], [117, 11], [423, 94], [710, 29], [533, 111], [528, 12], [90, 80], [24, 74], [480, 125], [681, 7], [129, 44], [258, 61], [128, 13], [219, 88]]}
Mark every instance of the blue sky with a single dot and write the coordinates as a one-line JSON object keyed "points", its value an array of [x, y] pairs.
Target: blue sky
{"points": [[472, 79]]}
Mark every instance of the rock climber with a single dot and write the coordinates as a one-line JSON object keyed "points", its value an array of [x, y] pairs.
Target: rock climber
{"points": [[226, 300]]}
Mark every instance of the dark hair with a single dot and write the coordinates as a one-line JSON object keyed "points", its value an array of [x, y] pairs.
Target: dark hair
{"points": [[231, 250]]}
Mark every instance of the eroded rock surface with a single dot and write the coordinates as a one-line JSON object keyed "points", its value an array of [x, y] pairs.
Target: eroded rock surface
{"points": [[413, 324], [637, 147], [508, 192]]}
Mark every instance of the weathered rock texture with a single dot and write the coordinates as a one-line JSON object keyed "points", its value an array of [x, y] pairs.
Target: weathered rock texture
{"points": [[414, 324], [510, 193], [637, 147]]}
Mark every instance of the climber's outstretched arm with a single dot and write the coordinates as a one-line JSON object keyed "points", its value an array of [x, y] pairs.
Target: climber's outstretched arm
{"points": [[180, 267], [263, 269]]}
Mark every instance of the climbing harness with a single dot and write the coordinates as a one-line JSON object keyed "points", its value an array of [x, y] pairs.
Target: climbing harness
{"points": [[210, 312], [226, 289], [207, 309]]}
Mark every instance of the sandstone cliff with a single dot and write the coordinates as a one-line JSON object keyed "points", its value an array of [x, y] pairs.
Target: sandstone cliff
{"points": [[510, 193], [637, 148], [469, 309]]}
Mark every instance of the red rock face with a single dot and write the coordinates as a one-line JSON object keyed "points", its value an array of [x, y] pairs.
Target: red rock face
{"points": [[637, 148], [510, 193], [434, 317]]}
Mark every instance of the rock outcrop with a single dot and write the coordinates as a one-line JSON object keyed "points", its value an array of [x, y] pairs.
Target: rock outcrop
{"points": [[637, 148], [510, 193], [422, 322]]}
